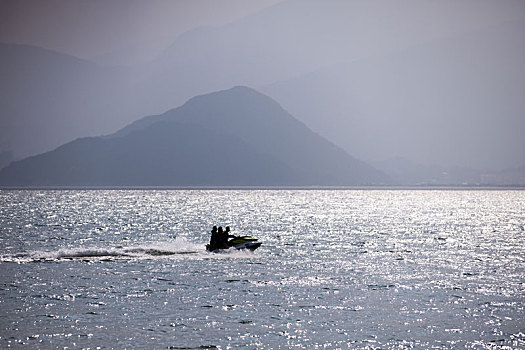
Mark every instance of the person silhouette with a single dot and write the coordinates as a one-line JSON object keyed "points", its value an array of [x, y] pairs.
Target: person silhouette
{"points": [[227, 233], [214, 239], [222, 239]]}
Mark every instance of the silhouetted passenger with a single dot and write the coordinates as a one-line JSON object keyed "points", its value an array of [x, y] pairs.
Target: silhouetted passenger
{"points": [[223, 239], [214, 240], [227, 233]]}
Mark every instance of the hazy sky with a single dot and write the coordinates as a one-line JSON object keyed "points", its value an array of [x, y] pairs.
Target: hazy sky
{"points": [[88, 28]]}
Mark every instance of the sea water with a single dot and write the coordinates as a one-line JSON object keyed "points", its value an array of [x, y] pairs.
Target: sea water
{"points": [[337, 269]]}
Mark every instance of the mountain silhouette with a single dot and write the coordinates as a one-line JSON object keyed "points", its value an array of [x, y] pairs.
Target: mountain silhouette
{"points": [[343, 76], [48, 98], [451, 102], [235, 137]]}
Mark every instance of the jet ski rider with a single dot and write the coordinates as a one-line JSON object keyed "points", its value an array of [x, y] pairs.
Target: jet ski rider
{"points": [[227, 235], [219, 238], [214, 238]]}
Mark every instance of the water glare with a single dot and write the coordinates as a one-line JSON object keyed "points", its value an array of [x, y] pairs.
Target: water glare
{"points": [[337, 269]]}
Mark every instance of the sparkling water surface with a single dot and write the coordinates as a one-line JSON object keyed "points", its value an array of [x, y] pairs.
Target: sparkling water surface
{"points": [[337, 269]]}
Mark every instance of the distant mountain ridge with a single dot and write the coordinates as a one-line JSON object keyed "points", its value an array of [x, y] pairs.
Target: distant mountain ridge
{"points": [[454, 102], [397, 67], [48, 98], [235, 137]]}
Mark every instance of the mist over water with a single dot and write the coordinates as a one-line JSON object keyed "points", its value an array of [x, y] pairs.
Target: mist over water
{"points": [[337, 268], [415, 88]]}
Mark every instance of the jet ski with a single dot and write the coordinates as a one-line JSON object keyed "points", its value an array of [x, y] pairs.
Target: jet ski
{"points": [[239, 243]]}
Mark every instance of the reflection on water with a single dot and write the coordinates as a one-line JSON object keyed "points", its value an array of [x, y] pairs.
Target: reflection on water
{"points": [[337, 269]]}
